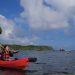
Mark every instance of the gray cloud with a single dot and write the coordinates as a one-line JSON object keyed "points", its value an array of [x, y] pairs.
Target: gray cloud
{"points": [[47, 14]]}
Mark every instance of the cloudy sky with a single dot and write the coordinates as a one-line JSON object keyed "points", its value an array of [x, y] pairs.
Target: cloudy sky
{"points": [[38, 22]]}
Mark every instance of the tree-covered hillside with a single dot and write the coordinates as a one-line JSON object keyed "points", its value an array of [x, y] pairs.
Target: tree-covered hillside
{"points": [[30, 47]]}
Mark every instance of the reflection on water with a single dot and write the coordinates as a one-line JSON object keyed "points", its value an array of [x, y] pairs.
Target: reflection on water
{"points": [[16, 72], [48, 63], [12, 72], [4, 71]]}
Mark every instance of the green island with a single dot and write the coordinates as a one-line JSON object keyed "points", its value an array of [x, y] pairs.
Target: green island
{"points": [[30, 47]]}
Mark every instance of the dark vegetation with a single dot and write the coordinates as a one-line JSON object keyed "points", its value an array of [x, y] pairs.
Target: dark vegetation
{"points": [[0, 30], [30, 47]]}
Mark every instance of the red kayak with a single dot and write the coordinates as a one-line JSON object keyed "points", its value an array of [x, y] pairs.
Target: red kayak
{"points": [[17, 64]]}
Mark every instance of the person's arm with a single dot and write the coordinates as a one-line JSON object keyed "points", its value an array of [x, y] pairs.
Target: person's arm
{"points": [[15, 51]]}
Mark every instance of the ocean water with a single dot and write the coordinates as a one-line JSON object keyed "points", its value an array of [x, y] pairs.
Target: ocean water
{"points": [[48, 63]]}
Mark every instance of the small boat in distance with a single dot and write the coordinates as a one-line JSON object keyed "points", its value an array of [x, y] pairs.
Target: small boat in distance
{"points": [[62, 49]]}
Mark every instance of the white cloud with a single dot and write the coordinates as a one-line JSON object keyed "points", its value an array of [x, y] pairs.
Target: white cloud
{"points": [[51, 15], [41, 15], [29, 41], [12, 34], [7, 26]]}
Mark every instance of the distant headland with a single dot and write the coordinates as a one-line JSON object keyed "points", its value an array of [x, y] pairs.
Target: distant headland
{"points": [[30, 47]]}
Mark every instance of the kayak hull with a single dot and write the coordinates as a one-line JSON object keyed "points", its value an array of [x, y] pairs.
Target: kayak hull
{"points": [[15, 64]]}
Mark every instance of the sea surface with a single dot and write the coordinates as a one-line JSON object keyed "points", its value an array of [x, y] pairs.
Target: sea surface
{"points": [[48, 63]]}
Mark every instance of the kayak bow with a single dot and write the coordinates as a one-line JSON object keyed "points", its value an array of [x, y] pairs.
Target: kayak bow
{"points": [[17, 64]]}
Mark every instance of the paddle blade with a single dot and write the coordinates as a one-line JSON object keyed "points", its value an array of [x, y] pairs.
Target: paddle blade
{"points": [[32, 59]]}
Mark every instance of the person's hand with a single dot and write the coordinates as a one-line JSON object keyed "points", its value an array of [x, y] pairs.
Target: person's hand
{"points": [[14, 51]]}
